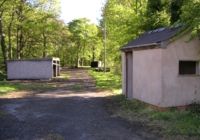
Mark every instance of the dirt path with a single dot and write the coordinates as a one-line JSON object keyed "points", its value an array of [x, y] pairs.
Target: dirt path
{"points": [[75, 111]]}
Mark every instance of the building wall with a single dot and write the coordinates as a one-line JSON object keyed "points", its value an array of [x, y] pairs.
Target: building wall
{"points": [[29, 69], [147, 74], [123, 73], [180, 90]]}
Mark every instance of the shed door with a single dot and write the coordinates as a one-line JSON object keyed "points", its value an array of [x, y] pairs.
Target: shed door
{"points": [[129, 74]]}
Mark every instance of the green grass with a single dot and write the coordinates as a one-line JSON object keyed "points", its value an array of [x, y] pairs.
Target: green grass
{"points": [[107, 80], [6, 87], [172, 122]]}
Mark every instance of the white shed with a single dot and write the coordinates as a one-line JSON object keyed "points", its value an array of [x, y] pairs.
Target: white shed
{"points": [[46, 68], [161, 67]]}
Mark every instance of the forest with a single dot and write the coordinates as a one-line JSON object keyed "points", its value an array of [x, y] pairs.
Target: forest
{"points": [[33, 29]]}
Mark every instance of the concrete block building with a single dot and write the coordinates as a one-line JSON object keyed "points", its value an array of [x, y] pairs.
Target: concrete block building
{"points": [[161, 68], [46, 68]]}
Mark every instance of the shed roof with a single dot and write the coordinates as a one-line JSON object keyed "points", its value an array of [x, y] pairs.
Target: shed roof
{"points": [[154, 37], [36, 59]]}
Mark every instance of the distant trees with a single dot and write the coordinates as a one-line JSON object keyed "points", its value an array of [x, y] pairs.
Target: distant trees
{"points": [[28, 28], [31, 28], [85, 37], [123, 21]]}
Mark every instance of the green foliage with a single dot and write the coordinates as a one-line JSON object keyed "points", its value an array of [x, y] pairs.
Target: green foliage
{"points": [[175, 9], [157, 20], [122, 20], [87, 44], [2, 76], [32, 29], [191, 15], [156, 15], [125, 20], [5, 87], [195, 108]]}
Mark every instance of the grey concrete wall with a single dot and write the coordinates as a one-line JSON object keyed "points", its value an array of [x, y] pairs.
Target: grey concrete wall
{"points": [[147, 75], [29, 69], [178, 89]]}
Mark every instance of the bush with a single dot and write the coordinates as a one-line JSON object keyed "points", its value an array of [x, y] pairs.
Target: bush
{"points": [[2, 76]]}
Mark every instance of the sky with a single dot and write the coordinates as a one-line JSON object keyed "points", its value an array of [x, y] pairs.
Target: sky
{"points": [[73, 9]]}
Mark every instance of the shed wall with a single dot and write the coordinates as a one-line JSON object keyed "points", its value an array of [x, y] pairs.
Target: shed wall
{"points": [[178, 89], [147, 75], [29, 69], [123, 73]]}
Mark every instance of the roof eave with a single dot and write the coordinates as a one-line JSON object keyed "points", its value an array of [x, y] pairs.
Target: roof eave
{"points": [[139, 46]]}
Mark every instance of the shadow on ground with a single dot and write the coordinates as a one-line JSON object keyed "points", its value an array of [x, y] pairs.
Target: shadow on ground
{"points": [[66, 113]]}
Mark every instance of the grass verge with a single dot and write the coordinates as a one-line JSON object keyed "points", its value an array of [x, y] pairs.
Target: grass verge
{"points": [[169, 123], [172, 123], [6, 87], [108, 81]]}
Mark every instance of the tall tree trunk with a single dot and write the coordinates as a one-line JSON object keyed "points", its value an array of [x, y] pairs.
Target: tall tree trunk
{"points": [[9, 37], [93, 53], [20, 37], [44, 45], [83, 54], [78, 57], [2, 40], [17, 39], [20, 43], [2, 36]]}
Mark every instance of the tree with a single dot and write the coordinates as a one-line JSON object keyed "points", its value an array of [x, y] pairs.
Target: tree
{"points": [[29, 28], [191, 15], [175, 10], [2, 33], [84, 35], [157, 14], [123, 21]]}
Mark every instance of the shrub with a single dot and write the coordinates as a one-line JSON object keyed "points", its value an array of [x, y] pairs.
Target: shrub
{"points": [[2, 76]]}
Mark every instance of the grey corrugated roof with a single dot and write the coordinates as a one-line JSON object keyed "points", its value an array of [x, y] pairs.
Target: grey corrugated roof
{"points": [[153, 37]]}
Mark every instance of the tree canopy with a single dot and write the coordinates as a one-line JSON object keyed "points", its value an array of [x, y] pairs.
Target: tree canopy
{"points": [[125, 20], [32, 28]]}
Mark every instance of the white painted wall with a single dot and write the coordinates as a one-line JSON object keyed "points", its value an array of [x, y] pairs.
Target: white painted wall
{"points": [[29, 69], [147, 75], [123, 73], [156, 78], [180, 90]]}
